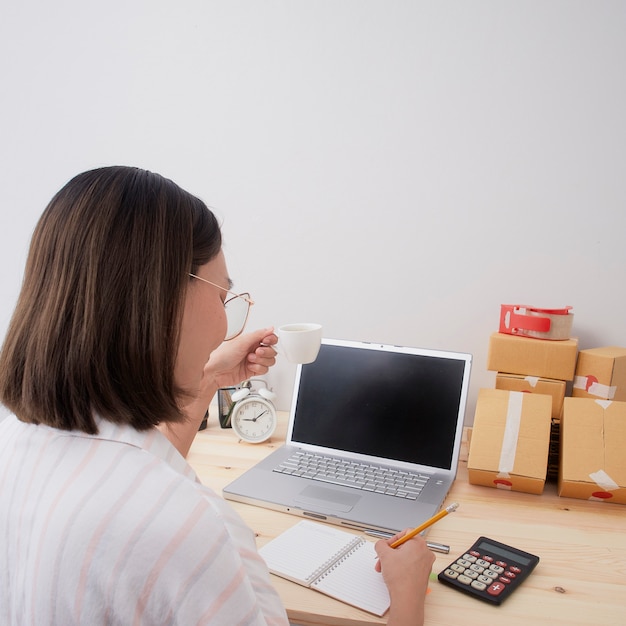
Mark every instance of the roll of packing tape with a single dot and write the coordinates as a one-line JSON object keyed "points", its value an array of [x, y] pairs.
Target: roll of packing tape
{"points": [[517, 319]]}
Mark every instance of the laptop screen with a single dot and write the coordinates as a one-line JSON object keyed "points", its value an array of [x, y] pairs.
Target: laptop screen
{"points": [[382, 403]]}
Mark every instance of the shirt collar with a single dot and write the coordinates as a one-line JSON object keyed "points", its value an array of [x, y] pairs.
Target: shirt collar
{"points": [[152, 441]]}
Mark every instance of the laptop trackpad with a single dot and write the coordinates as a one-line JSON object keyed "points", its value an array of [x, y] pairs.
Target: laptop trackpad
{"points": [[328, 499]]}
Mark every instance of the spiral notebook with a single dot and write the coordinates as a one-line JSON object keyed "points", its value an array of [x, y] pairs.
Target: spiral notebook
{"points": [[332, 561]]}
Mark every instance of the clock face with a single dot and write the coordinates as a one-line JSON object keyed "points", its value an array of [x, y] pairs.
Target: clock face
{"points": [[254, 419]]}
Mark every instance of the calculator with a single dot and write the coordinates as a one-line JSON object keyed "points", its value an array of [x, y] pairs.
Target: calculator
{"points": [[489, 570]]}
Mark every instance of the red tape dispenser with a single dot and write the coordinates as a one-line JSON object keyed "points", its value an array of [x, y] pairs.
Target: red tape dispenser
{"points": [[530, 321]]}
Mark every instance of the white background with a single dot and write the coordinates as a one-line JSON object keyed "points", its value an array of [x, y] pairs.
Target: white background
{"points": [[394, 170]]}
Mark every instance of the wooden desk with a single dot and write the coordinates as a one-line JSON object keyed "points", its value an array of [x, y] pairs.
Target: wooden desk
{"points": [[580, 580]]}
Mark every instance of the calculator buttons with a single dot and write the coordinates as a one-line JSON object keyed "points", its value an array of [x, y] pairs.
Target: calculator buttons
{"points": [[495, 589], [484, 573]]}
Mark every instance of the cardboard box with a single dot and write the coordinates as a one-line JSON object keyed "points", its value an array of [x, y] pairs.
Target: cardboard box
{"points": [[532, 384], [510, 440], [511, 354], [593, 440], [601, 374]]}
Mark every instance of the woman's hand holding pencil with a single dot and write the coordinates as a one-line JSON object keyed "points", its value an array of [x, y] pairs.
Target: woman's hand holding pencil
{"points": [[406, 572]]}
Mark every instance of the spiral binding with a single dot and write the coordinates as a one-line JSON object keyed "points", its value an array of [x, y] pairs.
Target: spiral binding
{"points": [[323, 570]]}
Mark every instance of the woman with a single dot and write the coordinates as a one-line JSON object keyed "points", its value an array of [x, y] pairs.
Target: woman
{"points": [[113, 354]]}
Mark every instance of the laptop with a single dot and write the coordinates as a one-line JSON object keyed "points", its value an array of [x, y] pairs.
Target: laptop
{"points": [[373, 439]]}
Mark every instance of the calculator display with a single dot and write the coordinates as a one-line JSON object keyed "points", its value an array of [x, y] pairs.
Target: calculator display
{"points": [[489, 570], [506, 554]]}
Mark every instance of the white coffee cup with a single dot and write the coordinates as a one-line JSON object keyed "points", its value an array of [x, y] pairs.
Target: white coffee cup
{"points": [[299, 343]]}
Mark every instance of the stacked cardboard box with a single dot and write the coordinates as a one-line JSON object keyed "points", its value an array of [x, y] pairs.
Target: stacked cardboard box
{"points": [[593, 428], [515, 423], [601, 374], [509, 445], [545, 366], [593, 437]]}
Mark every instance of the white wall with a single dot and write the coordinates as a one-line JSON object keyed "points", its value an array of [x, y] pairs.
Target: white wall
{"points": [[392, 169]]}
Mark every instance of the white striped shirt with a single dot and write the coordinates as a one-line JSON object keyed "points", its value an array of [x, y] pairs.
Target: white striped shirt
{"points": [[117, 529]]}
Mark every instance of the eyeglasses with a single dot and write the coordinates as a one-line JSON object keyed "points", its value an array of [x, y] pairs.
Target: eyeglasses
{"points": [[237, 309]]}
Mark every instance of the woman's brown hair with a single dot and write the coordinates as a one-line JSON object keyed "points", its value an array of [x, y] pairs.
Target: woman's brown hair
{"points": [[97, 322]]}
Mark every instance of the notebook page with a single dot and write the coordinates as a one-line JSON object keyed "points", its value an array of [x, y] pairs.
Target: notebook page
{"points": [[354, 580], [305, 550]]}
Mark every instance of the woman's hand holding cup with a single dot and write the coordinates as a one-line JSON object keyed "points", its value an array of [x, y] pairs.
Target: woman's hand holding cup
{"points": [[299, 343]]}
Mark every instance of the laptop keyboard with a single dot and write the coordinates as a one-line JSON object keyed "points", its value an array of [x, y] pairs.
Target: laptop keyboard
{"points": [[365, 476]]}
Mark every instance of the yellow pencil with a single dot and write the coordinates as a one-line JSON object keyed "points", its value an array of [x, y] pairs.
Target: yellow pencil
{"points": [[435, 518]]}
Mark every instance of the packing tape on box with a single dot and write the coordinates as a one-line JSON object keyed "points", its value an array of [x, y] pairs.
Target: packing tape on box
{"points": [[604, 481], [591, 385], [601, 478], [606, 484], [509, 439], [529, 321]]}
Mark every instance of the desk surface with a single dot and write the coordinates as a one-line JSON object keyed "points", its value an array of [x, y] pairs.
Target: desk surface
{"points": [[580, 580]]}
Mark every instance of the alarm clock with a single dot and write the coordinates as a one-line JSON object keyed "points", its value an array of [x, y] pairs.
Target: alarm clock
{"points": [[253, 416]]}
